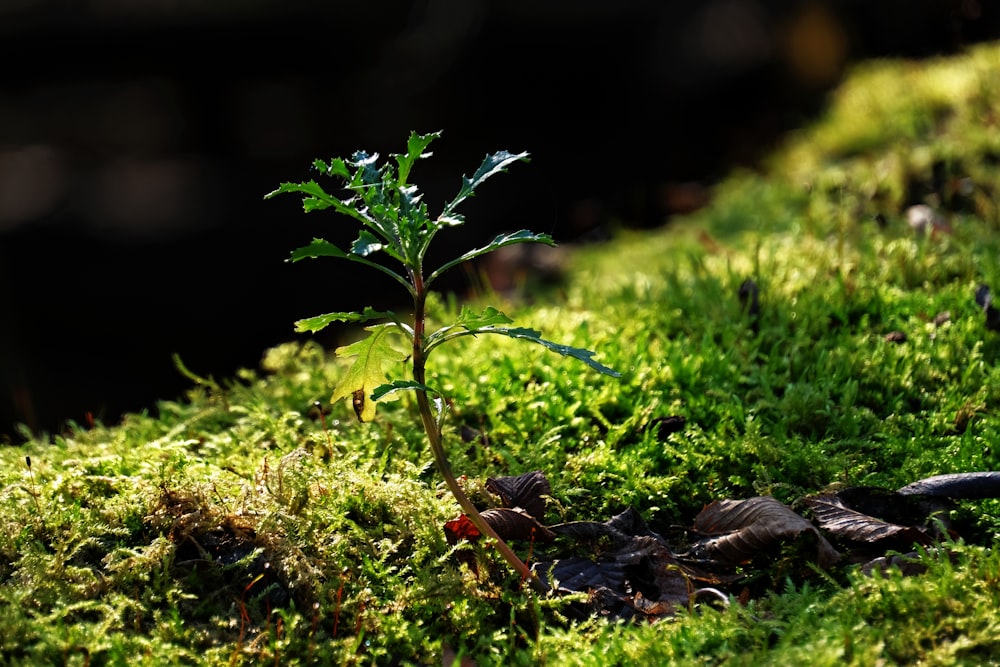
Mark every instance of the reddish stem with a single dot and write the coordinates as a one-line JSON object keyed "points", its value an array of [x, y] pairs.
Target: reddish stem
{"points": [[437, 448]]}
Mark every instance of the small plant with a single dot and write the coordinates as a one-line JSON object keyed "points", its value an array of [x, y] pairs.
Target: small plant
{"points": [[395, 222]]}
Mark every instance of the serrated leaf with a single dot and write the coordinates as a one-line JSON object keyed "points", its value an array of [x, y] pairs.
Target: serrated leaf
{"points": [[318, 248], [414, 150], [493, 164], [315, 197], [400, 385], [501, 240], [321, 248], [490, 317], [367, 173], [586, 356], [453, 220], [319, 322], [366, 244], [374, 354], [336, 167], [412, 213]]}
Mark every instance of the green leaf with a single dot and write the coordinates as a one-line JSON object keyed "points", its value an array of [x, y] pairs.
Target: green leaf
{"points": [[493, 164], [368, 371], [321, 248], [367, 173], [413, 218], [414, 150], [490, 317], [318, 248], [522, 236], [404, 385], [473, 323], [400, 385], [586, 356], [336, 167], [452, 220], [316, 198], [366, 244], [319, 322]]}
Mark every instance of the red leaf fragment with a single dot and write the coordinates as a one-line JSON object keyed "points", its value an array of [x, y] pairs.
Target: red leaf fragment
{"points": [[459, 529]]}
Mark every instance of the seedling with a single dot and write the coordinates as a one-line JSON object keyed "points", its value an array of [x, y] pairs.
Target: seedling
{"points": [[396, 223]]}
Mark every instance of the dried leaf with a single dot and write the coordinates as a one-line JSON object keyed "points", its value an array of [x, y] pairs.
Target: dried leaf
{"points": [[649, 559], [516, 524], [840, 520], [667, 425], [589, 531], [578, 574], [631, 523], [641, 578], [908, 564], [957, 485], [652, 608], [527, 491], [619, 529], [742, 529], [906, 510]]}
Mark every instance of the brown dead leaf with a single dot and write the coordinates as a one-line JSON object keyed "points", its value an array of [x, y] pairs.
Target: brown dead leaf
{"points": [[738, 530], [838, 519], [528, 491]]}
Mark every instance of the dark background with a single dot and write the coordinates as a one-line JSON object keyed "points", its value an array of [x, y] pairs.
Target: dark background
{"points": [[137, 139]]}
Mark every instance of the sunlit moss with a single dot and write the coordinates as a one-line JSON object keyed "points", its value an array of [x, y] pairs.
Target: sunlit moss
{"points": [[251, 521]]}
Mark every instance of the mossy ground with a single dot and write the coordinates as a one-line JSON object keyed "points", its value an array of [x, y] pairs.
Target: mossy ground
{"points": [[238, 525]]}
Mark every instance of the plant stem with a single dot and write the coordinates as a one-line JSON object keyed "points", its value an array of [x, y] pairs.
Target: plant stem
{"points": [[437, 448]]}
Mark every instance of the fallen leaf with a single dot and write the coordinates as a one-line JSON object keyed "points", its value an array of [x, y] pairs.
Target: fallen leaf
{"points": [[460, 529], [838, 519], [516, 524], [957, 485], [528, 491], [738, 530]]}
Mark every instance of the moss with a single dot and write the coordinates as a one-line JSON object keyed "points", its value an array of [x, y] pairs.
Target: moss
{"points": [[242, 523]]}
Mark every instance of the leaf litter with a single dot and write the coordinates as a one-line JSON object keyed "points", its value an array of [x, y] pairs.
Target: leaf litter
{"points": [[629, 572]]}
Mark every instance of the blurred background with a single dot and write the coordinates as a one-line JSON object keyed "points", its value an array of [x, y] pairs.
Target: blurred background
{"points": [[139, 137]]}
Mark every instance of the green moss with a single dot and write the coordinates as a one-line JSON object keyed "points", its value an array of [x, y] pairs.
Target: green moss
{"points": [[240, 525]]}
